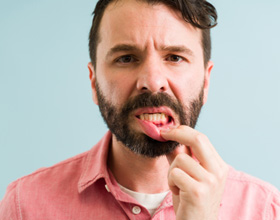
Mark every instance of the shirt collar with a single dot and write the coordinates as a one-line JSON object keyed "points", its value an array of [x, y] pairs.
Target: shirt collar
{"points": [[95, 163], [95, 168]]}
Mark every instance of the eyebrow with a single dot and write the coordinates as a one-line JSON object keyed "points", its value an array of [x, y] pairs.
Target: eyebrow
{"points": [[128, 47], [178, 49], [121, 48]]}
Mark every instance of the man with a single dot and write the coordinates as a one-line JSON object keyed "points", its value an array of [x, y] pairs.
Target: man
{"points": [[150, 70]]}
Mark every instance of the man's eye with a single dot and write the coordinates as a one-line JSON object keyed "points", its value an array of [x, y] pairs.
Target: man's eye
{"points": [[126, 59], [174, 58]]}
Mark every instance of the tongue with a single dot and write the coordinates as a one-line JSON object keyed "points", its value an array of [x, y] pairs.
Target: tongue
{"points": [[152, 130]]}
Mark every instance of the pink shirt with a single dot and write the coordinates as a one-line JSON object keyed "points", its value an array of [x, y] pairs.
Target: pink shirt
{"points": [[83, 188]]}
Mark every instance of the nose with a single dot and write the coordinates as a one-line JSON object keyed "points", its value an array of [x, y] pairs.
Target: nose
{"points": [[152, 77]]}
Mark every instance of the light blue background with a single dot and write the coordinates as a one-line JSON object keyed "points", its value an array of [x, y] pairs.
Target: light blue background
{"points": [[47, 114]]}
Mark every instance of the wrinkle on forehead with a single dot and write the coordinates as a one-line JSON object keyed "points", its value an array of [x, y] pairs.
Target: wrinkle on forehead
{"points": [[125, 13], [146, 26]]}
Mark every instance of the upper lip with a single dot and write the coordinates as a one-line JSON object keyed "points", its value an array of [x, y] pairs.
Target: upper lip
{"points": [[154, 110]]}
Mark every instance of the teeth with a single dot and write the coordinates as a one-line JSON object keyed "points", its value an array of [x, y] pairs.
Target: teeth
{"points": [[146, 116], [154, 117]]}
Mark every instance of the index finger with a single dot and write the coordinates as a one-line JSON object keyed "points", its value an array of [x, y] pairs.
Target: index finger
{"points": [[199, 144]]}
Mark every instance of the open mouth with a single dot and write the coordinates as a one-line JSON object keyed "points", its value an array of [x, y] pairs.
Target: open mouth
{"points": [[159, 119], [152, 120]]}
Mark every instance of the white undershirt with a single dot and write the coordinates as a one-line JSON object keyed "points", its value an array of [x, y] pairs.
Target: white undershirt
{"points": [[150, 201]]}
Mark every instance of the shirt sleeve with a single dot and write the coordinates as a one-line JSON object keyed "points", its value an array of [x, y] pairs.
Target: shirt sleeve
{"points": [[8, 206], [274, 207]]}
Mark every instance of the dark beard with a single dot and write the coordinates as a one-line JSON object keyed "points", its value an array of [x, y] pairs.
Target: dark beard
{"points": [[117, 120]]}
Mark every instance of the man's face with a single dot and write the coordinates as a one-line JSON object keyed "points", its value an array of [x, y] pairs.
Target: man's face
{"points": [[149, 74]]}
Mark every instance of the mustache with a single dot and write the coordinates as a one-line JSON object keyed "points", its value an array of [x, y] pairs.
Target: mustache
{"points": [[152, 100]]}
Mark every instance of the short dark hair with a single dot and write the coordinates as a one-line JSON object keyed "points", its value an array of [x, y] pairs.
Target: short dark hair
{"points": [[199, 13]]}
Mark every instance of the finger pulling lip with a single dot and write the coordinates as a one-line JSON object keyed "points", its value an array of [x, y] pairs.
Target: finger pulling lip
{"points": [[151, 126], [152, 130]]}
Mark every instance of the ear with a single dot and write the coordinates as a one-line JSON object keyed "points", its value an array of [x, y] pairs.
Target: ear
{"points": [[207, 80], [92, 77]]}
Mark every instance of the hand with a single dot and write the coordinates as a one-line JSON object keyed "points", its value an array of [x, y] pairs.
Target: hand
{"points": [[196, 176]]}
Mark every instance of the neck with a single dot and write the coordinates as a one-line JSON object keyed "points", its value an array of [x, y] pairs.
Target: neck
{"points": [[138, 173]]}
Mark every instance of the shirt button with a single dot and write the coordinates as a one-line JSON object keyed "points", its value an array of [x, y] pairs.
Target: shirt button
{"points": [[136, 210]]}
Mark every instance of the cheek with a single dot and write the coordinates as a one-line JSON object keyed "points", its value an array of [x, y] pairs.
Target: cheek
{"points": [[188, 87], [117, 89]]}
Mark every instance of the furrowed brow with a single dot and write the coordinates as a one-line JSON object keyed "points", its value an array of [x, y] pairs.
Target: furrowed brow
{"points": [[121, 48], [178, 49]]}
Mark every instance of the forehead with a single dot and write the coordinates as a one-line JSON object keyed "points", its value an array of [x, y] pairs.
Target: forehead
{"points": [[137, 22]]}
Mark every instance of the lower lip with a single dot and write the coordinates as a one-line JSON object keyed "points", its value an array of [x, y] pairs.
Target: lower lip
{"points": [[152, 130]]}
